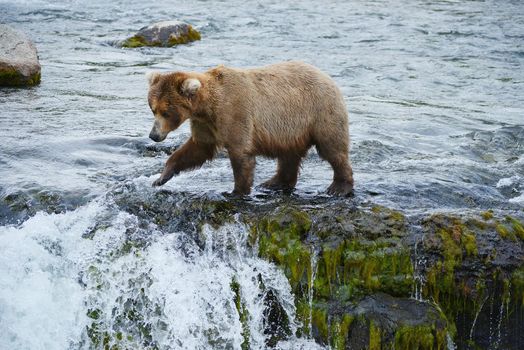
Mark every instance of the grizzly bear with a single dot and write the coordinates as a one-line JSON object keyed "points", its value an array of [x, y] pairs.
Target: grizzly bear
{"points": [[277, 111]]}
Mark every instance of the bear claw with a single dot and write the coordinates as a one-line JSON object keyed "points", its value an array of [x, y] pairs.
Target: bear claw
{"points": [[274, 185], [159, 182], [341, 189]]}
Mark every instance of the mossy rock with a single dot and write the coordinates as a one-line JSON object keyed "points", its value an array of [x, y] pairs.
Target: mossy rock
{"points": [[163, 34], [20, 205], [337, 254], [380, 321], [474, 265], [19, 64], [11, 76]]}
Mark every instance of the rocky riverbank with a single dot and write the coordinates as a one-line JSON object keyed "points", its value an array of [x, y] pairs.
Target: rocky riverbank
{"points": [[368, 277]]}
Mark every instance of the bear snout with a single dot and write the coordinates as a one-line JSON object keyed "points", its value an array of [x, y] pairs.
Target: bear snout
{"points": [[154, 136]]}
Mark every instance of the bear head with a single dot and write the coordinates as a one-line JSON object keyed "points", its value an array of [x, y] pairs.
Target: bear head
{"points": [[171, 99]]}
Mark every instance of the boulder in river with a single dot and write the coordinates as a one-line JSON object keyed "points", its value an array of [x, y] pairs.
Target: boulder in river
{"points": [[164, 34], [19, 64]]}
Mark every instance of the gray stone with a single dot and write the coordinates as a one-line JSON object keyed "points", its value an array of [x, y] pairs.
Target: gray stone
{"points": [[165, 34], [19, 64]]}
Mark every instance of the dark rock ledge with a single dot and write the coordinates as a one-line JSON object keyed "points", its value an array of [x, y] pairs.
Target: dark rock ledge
{"points": [[368, 277]]}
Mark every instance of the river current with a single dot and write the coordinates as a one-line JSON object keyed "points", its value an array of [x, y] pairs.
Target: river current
{"points": [[434, 91]]}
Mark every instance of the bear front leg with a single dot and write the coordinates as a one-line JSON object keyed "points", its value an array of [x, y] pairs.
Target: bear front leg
{"points": [[191, 155], [243, 170]]}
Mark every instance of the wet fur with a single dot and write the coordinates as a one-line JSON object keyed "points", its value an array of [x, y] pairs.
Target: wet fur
{"points": [[278, 111]]}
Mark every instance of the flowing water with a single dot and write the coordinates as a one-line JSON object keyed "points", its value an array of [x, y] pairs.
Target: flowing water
{"points": [[434, 92]]}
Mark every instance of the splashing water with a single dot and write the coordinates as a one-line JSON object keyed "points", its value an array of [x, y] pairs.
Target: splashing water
{"points": [[311, 286], [419, 263], [476, 317], [75, 288], [449, 342]]}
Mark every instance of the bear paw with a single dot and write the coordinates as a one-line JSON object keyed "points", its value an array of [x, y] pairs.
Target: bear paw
{"points": [[341, 189], [277, 186], [160, 181]]}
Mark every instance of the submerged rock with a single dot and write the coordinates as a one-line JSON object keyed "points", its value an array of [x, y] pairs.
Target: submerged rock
{"points": [[18, 206], [367, 277], [165, 34], [19, 64]]}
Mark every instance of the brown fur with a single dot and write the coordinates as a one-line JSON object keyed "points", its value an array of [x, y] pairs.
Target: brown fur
{"points": [[277, 111]]}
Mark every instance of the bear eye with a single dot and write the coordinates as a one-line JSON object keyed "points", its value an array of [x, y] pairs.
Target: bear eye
{"points": [[165, 115]]}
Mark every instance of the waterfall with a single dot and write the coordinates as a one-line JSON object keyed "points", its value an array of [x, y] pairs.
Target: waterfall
{"points": [[100, 277]]}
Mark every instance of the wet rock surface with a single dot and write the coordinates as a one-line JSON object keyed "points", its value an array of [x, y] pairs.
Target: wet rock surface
{"points": [[383, 321], [18, 206], [19, 64], [365, 276], [165, 34]]}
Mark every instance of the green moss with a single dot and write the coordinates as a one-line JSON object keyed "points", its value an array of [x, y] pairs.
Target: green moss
{"points": [[192, 35], [397, 216], [280, 241], [377, 209], [341, 331], [303, 312], [137, 41], [517, 226], [332, 332], [513, 231], [331, 261], [418, 337], [457, 242], [94, 314], [243, 314], [389, 213], [320, 323], [517, 284], [454, 297], [374, 337], [487, 215], [504, 232], [11, 77], [380, 265], [469, 242], [459, 297]]}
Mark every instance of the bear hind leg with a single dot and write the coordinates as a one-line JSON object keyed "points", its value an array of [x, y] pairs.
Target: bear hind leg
{"points": [[287, 174], [342, 184]]}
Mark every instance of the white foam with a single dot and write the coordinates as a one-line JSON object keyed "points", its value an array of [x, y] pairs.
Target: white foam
{"points": [[508, 181], [51, 278], [41, 302], [518, 199]]}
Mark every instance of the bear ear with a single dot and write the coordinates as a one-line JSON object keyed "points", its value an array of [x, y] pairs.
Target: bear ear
{"points": [[153, 77], [190, 86]]}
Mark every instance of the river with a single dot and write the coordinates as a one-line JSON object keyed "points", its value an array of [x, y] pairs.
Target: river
{"points": [[434, 94]]}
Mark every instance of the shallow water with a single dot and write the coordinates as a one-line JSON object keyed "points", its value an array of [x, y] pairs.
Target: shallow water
{"points": [[434, 92]]}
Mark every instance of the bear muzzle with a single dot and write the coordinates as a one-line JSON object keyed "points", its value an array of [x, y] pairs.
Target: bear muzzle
{"points": [[156, 135]]}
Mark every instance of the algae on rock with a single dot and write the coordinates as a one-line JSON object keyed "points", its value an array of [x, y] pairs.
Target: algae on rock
{"points": [[352, 269], [163, 34], [19, 65]]}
